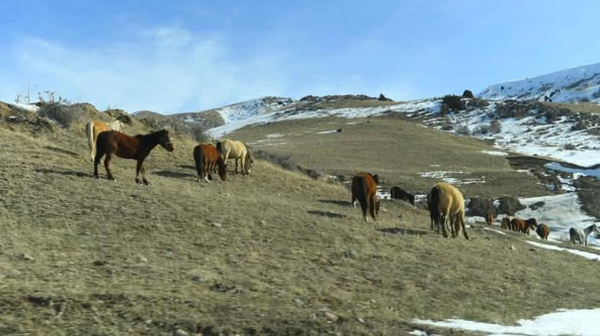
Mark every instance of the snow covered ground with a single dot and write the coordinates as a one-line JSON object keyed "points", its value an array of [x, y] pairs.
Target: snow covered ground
{"points": [[570, 85], [582, 322], [559, 212]]}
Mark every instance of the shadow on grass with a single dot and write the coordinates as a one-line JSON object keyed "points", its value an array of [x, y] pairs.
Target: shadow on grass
{"points": [[62, 151], [172, 174], [336, 202], [326, 214], [187, 167], [404, 231], [63, 172]]}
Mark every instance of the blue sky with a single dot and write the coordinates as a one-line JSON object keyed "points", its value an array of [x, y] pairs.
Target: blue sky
{"points": [[176, 56]]}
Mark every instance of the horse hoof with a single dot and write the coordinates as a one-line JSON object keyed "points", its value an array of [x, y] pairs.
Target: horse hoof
{"points": [[146, 182]]}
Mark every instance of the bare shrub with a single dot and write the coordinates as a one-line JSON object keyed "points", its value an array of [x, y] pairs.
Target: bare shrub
{"points": [[496, 126], [463, 129], [580, 125], [65, 115], [569, 146], [284, 161], [482, 129], [453, 102]]}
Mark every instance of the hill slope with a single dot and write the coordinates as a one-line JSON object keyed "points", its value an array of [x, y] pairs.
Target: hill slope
{"points": [[570, 85], [274, 253]]}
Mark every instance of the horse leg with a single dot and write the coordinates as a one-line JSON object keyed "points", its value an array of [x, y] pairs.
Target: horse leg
{"points": [[236, 164], [372, 208], [461, 218], [107, 165], [146, 182], [443, 219], [97, 160], [138, 168]]}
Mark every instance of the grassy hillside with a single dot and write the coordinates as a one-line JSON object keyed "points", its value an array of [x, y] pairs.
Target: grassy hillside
{"points": [[397, 149], [274, 253]]}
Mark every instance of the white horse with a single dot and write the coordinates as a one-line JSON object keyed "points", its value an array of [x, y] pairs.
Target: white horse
{"points": [[95, 127], [231, 149], [580, 236]]}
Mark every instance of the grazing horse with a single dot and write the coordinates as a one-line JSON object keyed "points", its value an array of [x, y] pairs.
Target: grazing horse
{"points": [[505, 224], [523, 225], [129, 147], [207, 158], [451, 207], [543, 231], [364, 189], [581, 236], [231, 149], [433, 207], [95, 127], [489, 218], [401, 194]]}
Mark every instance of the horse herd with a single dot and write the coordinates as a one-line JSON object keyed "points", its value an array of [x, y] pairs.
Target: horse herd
{"points": [[446, 207], [106, 140], [445, 202]]}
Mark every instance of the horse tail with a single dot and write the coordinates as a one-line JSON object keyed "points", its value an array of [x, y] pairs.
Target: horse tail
{"points": [[220, 147], [89, 131], [198, 159]]}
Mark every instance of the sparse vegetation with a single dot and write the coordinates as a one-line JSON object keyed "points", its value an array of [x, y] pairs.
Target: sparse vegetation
{"points": [[453, 102], [496, 126], [463, 130]]}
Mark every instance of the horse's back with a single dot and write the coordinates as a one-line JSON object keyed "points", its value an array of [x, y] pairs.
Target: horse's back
{"points": [[236, 149], [450, 198]]}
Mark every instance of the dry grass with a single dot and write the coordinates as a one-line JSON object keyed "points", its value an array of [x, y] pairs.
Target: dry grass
{"points": [[265, 254], [578, 107], [397, 149]]}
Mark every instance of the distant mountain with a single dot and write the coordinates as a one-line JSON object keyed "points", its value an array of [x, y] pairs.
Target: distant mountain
{"points": [[579, 84]]}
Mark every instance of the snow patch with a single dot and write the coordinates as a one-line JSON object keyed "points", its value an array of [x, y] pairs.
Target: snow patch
{"points": [[583, 322]]}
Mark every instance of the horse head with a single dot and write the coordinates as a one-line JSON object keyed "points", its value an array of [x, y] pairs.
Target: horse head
{"points": [[164, 140], [248, 163]]}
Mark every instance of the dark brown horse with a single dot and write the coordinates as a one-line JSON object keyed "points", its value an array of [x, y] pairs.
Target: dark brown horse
{"points": [[129, 147], [207, 157], [523, 225], [401, 194]]}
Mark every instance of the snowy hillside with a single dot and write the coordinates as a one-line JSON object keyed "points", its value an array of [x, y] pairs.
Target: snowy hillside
{"points": [[570, 85], [244, 110]]}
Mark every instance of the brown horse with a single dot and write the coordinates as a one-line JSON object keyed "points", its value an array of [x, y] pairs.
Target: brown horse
{"points": [[543, 231], [523, 225], [489, 218], [129, 147], [450, 207], [207, 158], [231, 149], [505, 224], [364, 189], [95, 127]]}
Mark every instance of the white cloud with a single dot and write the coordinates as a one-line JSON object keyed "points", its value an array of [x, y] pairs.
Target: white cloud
{"points": [[173, 70], [169, 70]]}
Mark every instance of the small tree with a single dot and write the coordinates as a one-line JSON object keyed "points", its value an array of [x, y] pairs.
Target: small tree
{"points": [[467, 94]]}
